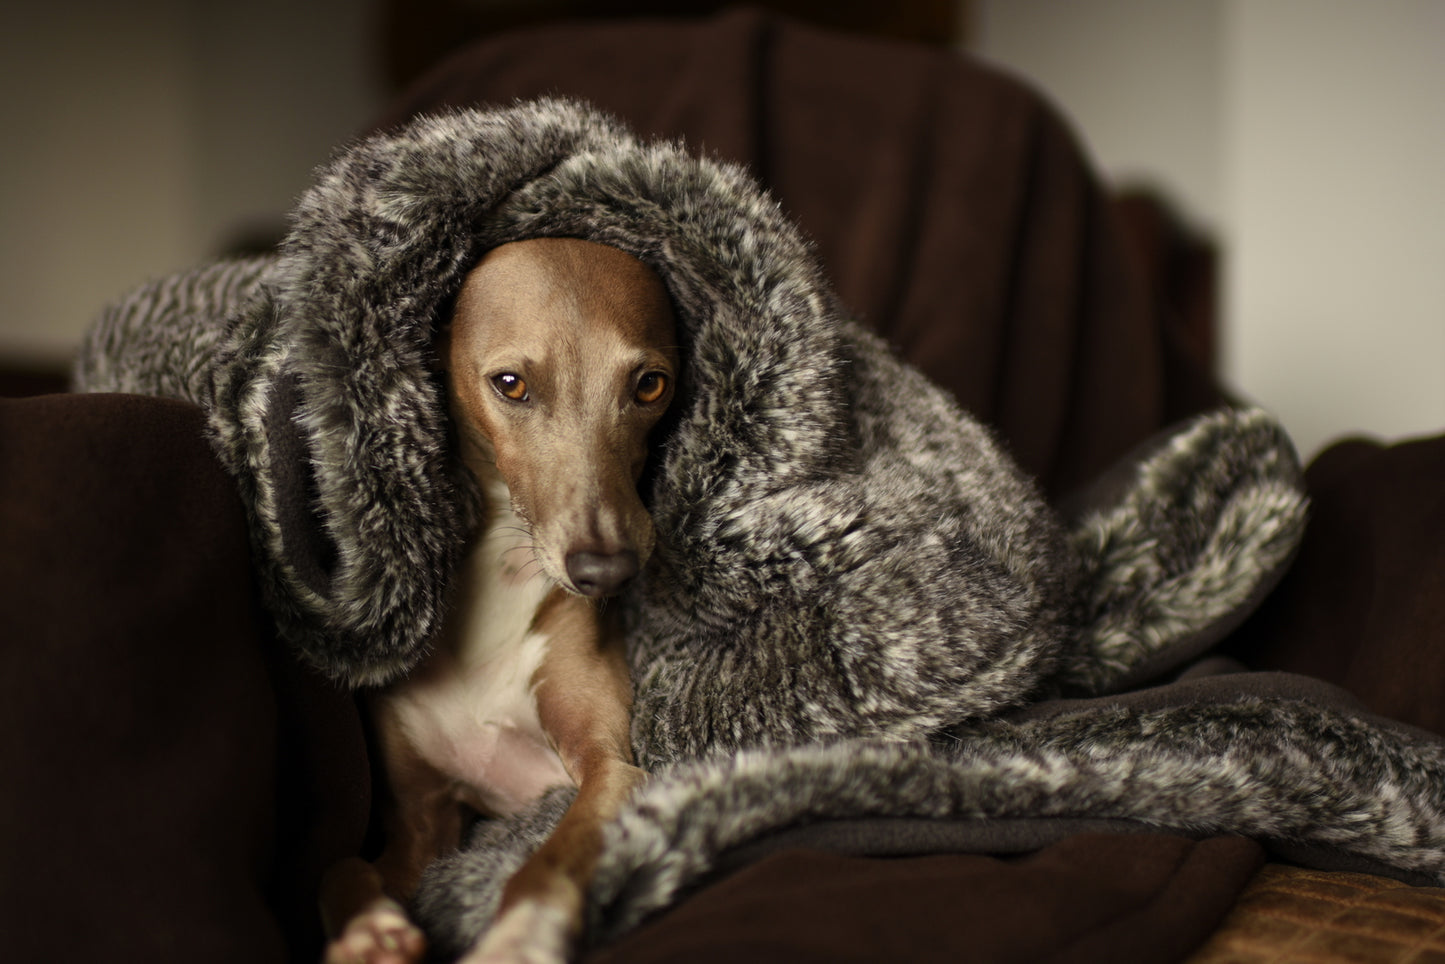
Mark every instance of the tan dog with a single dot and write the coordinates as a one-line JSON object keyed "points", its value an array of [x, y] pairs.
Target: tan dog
{"points": [[561, 360]]}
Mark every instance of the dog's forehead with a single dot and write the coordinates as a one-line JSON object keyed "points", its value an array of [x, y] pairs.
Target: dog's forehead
{"points": [[573, 261], [593, 286]]}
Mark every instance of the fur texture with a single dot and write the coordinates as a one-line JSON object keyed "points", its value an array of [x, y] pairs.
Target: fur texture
{"points": [[854, 585], [1282, 770], [807, 475], [1199, 531]]}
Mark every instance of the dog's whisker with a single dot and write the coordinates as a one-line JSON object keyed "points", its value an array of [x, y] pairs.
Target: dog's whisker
{"points": [[530, 559]]}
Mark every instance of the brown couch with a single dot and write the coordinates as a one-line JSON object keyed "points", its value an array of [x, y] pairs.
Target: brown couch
{"points": [[174, 783]]}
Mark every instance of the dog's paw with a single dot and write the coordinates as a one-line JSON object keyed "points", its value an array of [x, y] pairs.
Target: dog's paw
{"points": [[381, 934], [530, 932]]}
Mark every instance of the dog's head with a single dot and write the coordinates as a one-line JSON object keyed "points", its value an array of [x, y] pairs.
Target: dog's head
{"points": [[562, 359]]}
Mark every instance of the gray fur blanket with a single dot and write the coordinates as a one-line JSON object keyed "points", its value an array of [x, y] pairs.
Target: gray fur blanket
{"points": [[859, 607]]}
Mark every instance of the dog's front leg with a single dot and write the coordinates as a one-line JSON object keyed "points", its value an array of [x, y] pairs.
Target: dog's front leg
{"points": [[584, 699], [361, 903]]}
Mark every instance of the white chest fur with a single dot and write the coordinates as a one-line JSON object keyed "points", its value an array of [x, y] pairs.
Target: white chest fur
{"points": [[470, 709]]}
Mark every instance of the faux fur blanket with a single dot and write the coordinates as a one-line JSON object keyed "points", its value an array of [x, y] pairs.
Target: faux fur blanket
{"points": [[1278, 758], [857, 601]]}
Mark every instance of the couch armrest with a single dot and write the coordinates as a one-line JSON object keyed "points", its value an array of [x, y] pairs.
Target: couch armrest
{"points": [[158, 802]]}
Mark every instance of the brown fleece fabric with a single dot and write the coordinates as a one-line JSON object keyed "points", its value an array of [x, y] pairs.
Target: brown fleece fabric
{"points": [[1109, 898]]}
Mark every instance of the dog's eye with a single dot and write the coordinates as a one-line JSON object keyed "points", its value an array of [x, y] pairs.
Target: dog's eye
{"points": [[511, 386], [651, 387]]}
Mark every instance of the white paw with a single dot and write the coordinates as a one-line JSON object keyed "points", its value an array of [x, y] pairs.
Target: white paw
{"points": [[531, 932], [379, 935]]}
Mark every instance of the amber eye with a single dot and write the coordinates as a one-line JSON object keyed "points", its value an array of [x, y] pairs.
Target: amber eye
{"points": [[651, 387], [511, 386]]}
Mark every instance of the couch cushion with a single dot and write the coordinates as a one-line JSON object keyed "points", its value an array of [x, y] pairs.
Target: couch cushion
{"points": [[1363, 604], [1293, 914]]}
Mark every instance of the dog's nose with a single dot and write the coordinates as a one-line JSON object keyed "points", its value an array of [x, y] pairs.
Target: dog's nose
{"points": [[599, 574]]}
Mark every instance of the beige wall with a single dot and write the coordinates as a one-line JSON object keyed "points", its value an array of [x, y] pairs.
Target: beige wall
{"points": [[142, 137], [1309, 135]]}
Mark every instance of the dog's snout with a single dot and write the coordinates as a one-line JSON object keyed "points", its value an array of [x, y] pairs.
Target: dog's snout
{"points": [[599, 574]]}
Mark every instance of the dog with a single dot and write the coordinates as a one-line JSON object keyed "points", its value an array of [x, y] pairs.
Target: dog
{"points": [[560, 360]]}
